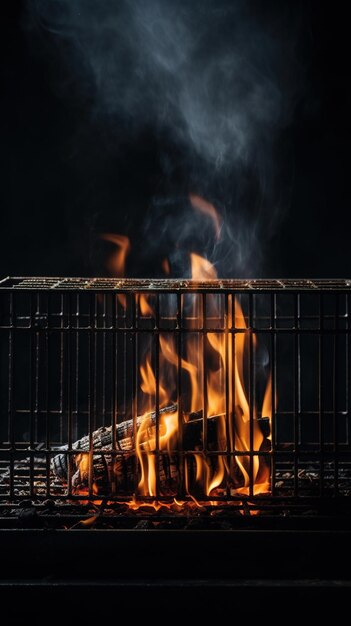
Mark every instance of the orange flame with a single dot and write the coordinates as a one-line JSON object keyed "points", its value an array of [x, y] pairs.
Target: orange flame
{"points": [[166, 267], [214, 365], [199, 204], [145, 307], [117, 261], [245, 435], [201, 269]]}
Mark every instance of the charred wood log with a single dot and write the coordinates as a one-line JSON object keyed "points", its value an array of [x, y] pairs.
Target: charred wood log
{"points": [[114, 467], [110, 465], [102, 439]]}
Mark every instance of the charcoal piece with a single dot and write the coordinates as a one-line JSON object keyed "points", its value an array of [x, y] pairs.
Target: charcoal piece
{"points": [[144, 524]]}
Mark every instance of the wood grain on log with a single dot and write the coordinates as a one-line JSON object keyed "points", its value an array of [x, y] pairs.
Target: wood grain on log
{"points": [[102, 439]]}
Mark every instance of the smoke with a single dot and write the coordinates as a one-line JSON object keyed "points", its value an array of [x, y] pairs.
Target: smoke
{"points": [[215, 81]]}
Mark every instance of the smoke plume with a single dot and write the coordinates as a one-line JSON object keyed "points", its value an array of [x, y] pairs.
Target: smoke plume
{"points": [[215, 83]]}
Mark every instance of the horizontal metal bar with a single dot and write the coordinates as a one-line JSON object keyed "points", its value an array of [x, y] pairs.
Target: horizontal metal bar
{"points": [[168, 284], [165, 329]]}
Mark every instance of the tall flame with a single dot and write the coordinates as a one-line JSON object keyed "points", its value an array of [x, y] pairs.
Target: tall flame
{"points": [[238, 437], [212, 365]]}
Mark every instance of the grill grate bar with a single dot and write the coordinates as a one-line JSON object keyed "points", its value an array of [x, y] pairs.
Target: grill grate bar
{"points": [[157, 284]]}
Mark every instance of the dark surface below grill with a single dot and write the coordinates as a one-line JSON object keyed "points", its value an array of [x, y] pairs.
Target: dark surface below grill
{"points": [[101, 572], [137, 554]]}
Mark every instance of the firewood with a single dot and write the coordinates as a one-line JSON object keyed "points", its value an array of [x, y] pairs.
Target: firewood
{"points": [[94, 459], [117, 471], [102, 439]]}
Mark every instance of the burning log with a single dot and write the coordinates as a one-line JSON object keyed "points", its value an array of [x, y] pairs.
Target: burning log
{"points": [[102, 439], [107, 469]]}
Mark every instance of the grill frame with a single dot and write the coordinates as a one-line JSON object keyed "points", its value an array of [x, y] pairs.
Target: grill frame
{"points": [[333, 325]]}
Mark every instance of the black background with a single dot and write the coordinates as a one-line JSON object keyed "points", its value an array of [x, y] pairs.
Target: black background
{"points": [[59, 182]]}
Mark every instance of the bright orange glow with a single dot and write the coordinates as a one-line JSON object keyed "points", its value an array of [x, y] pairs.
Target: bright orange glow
{"points": [[199, 204], [212, 362], [144, 306], [240, 432], [201, 269], [148, 383]]}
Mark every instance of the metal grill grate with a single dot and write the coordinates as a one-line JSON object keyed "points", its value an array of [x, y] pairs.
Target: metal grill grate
{"points": [[71, 350], [131, 284]]}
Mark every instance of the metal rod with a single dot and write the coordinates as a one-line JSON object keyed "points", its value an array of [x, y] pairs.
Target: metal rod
{"points": [[335, 400], [320, 392], [297, 406], [32, 390], [114, 378], [70, 382], [227, 365], [233, 384], [157, 394], [134, 373], [348, 370], [181, 457], [204, 374], [48, 399], [273, 304], [251, 394], [10, 410], [91, 396]]}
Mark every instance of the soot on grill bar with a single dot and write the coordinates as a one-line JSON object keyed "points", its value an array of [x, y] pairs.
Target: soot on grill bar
{"points": [[125, 399]]}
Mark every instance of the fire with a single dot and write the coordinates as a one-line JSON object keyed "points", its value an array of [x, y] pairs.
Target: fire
{"points": [[147, 436], [199, 204], [237, 436], [117, 261], [144, 306], [201, 269], [215, 413]]}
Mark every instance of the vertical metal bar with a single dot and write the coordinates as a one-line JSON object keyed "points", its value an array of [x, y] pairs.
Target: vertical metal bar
{"points": [[32, 391], [76, 384], [157, 394], [91, 398], [70, 374], [254, 374], [348, 371], [96, 345], [10, 409], [114, 375], [273, 375], [134, 371], [48, 399], [251, 395], [62, 337], [320, 391], [123, 321], [204, 370], [297, 394], [103, 382], [335, 397], [181, 457], [37, 364], [233, 464], [226, 383]]}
